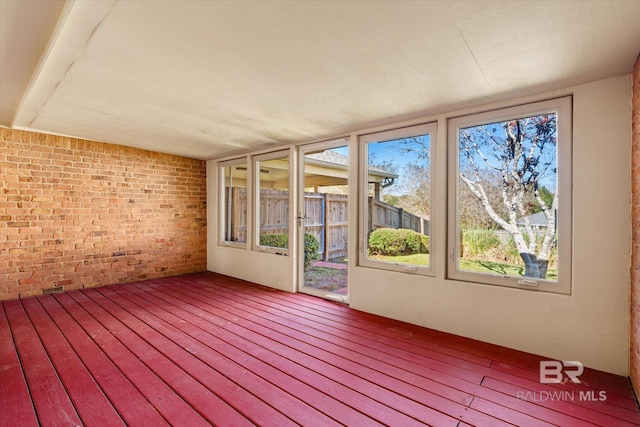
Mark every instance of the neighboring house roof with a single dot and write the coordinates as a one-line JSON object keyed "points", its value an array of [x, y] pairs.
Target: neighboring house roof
{"points": [[327, 168], [329, 158], [536, 220]]}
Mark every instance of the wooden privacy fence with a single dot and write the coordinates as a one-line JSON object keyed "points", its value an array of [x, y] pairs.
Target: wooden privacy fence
{"points": [[384, 215], [274, 211], [236, 214], [326, 218]]}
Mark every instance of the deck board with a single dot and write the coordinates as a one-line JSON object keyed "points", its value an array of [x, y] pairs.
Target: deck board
{"points": [[372, 380], [49, 396], [124, 378], [15, 399], [205, 349], [192, 387], [326, 363], [232, 380], [88, 398], [266, 365], [396, 405]]}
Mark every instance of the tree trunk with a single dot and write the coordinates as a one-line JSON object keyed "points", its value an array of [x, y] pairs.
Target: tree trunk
{"points": [[543, 264], [532, 267]]}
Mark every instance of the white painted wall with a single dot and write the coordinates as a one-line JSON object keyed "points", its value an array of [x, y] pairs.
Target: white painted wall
{"points": [[590, 325]]}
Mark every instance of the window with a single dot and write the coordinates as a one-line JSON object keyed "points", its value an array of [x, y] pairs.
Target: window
{"points": [[234, 207], [272, 178], [510, 197], [396, 185]]}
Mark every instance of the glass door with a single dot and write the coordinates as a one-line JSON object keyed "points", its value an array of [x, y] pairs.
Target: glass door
{"points": [[323, 226]]}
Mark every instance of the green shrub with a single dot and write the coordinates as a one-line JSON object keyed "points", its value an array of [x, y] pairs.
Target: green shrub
{"points": [[424, 241], [311, 245], [401, 241], [479, 242], [511, 253], [274, 240]]}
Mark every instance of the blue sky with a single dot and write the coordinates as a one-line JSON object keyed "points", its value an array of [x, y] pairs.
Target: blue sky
{"points": [[387, 151]]}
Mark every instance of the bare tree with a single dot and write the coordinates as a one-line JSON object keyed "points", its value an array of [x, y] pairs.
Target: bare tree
{"points": [[415, 182], [522, 153], [471, 215], [416, 187], [418, 146]]}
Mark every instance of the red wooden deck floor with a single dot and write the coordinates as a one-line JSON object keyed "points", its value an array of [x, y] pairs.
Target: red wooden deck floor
{"points": [[205, 349]]}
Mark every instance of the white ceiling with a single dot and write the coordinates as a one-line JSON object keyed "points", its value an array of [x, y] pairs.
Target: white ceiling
{"points": [[207, 79]]}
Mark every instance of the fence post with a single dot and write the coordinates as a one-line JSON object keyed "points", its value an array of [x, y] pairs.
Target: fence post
{"points": [[233, 214], [370, 215], [326, 208], [401, 214]]}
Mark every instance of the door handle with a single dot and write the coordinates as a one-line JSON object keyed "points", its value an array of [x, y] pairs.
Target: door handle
{"points": [[300, 219]]}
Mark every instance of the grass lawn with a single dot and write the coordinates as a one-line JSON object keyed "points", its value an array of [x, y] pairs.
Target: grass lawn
{"points": [[326, 279], [500, 268], [414, 259], [466, 265]]}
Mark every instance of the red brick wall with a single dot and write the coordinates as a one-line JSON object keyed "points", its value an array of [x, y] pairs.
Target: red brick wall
{"points": [[635, 227], [76, 213]]}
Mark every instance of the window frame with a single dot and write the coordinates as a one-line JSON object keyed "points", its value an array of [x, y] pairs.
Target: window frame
{"points": [[223, 208], [562, 106], [256, 160], [430, 128]]}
